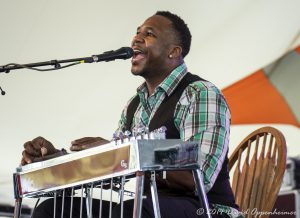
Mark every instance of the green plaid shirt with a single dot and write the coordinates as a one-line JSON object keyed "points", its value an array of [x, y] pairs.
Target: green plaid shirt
{"points": [[201, 114]]}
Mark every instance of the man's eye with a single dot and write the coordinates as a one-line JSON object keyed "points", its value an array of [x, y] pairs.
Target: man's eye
{"points": [[150, 34]]}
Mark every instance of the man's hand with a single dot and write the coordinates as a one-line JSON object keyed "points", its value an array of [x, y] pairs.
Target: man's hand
{"points": [[87, 142], [37, 149]]}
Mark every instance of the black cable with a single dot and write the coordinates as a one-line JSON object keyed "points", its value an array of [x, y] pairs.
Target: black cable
{"points": [[36, 204], [2, 91], [56, 66]]}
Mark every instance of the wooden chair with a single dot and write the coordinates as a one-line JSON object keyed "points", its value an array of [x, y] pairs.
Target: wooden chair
{"points": [[258, 165]]}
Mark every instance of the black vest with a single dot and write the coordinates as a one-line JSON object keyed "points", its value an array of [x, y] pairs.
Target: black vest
{"points": [[221, 192]]}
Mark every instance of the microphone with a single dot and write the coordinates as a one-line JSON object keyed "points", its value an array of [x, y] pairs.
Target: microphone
{"points": [[121, 53], [2, 92]]}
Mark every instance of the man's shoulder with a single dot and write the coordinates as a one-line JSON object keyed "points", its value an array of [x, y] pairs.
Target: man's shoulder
{"points": [[199, 89], [133, 100], [202, 86]]}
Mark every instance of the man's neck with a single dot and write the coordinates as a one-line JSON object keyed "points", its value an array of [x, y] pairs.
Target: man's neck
{"points": [[154, 81]]}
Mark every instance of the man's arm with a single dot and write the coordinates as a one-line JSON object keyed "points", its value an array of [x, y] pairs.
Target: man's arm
{"points": [[203, 115]]}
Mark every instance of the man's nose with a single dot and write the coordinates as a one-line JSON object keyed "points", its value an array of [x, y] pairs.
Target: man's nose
{"points": [[138, 38]]}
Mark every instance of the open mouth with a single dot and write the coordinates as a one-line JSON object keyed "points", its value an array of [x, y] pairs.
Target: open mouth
{"points": [[138, 55]]}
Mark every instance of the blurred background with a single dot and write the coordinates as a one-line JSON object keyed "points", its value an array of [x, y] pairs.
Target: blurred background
{"points": [[231, 40]]}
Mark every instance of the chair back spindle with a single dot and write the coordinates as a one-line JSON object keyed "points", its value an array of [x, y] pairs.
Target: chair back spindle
{"points": [[258, 164]]}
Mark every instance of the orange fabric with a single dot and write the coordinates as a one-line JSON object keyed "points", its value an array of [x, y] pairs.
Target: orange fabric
{"points": [[254, 100], [298, 49]]}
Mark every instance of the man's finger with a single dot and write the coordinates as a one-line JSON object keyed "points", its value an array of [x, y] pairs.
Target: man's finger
{"points": [[82, 146], [77, 147], [41, 142], [91, 144], [87, 140], [23, 162], [38, 142], [27, 158], [29, 148], [83, 140], [44, 151]]}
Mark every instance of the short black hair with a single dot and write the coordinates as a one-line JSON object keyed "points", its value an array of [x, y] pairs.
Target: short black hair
{"points": [[181, 28]]}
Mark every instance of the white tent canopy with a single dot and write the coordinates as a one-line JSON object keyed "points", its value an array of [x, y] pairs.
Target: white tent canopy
{"points": [[230, 40]]}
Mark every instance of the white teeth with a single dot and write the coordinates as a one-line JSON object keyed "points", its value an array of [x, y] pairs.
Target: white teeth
{"points": [[137, 51]]}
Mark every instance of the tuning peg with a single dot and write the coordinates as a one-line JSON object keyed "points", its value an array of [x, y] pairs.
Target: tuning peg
{"points": [[115, 138], [121, 137], [127, 136], [127, 133], [146, 133], [134, 132], [159, 133], [162, 132], [162, 129], [142, 131]]}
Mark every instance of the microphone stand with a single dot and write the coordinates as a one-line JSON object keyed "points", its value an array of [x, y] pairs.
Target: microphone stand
{"points": [[122, 53], [55, 63]]}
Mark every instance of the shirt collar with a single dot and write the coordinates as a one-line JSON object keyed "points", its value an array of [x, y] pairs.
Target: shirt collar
{"points": [[170, 82]]}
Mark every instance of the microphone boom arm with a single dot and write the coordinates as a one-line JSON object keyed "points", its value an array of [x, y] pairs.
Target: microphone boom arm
{"points": [[122, 53]]}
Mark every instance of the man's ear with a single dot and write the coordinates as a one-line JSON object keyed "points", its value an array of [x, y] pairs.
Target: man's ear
{"points": [[176, 52]]}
